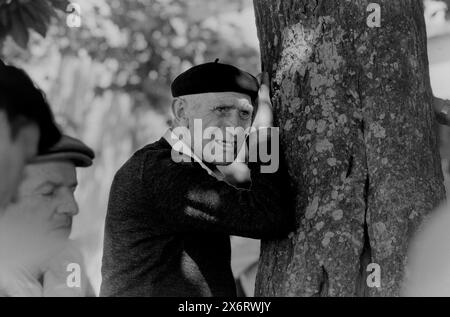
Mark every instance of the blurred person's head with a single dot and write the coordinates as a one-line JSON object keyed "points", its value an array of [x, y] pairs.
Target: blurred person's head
{"points": [[45, 202], [26, 127], [214, 103]]}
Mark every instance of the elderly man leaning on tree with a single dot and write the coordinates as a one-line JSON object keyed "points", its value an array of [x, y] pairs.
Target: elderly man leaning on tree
{"points": [[169, 218]]}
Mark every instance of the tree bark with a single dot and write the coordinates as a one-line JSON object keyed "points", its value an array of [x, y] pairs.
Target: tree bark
{"points": [[354, 107]]}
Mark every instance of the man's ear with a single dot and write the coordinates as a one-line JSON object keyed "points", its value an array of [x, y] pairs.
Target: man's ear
{"points": [[27, 136], [179, 106]]}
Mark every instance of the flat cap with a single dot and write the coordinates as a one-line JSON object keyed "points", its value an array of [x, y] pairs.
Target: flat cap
{"points": [[215, 77], [68, 149]]}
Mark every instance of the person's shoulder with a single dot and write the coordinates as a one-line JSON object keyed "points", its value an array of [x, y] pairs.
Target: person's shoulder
{"points": [[162, 166], [158, 150], [135, 165]]}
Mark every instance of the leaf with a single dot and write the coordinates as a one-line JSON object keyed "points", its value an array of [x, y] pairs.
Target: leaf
{"points": [[33, 20], [43, 9], [19, 31], [5, 20]]}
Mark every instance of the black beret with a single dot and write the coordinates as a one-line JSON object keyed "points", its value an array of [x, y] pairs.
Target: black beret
{"points": [[20, 97], [215, 77], [68, 149]]}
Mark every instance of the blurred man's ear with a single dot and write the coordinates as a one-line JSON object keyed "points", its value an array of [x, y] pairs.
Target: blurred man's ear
{"points": [[27, 136], [4, 123], [23, 132], [179, 112]]}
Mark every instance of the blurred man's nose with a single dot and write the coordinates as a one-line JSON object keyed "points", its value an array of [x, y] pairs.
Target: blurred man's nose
{"points": [[68, 204]]}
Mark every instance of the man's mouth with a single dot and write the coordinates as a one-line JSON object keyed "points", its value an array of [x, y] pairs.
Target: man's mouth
{"points": [[64, 225], [225, 143]]}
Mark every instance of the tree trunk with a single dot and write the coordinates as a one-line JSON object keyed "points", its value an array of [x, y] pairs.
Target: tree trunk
{"points": [[354, 107]]}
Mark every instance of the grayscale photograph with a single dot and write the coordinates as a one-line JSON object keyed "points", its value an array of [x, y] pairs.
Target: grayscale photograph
{"points": [[225, 153]]}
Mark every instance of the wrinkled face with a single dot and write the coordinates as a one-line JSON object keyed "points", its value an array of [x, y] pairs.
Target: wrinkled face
{"points": [[45, 202], [15, 153], [217, 121]]}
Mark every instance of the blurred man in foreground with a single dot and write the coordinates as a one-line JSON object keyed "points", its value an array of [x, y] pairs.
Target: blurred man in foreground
{"points": [[36, 256], [26, 127], [428, 269], [170, 213]]}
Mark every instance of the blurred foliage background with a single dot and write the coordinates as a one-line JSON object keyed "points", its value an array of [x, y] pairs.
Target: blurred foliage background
{"points": [[109, 80]]}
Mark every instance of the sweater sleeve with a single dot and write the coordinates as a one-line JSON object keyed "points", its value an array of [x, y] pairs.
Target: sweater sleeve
{"points": [[191, 200]]}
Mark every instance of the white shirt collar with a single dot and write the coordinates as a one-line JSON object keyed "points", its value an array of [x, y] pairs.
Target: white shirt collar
{"points": [[181, 147]]}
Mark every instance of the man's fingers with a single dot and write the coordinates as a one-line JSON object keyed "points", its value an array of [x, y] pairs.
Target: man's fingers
{"points": [[265, 77], [264, 112], [264, 91]]}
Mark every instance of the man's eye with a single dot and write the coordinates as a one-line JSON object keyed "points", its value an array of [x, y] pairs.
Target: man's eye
{"points": [[48, 192], [222, 109], [245, 114]]}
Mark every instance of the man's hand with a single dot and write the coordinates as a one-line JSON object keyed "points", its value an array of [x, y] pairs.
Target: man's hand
{"points": [[264, 113]]}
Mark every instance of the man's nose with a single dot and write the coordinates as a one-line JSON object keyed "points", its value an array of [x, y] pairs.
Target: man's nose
{"points": [[68, 204]]}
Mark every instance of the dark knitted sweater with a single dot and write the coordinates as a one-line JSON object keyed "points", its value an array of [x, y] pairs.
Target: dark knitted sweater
{"points": [[168, 225]]}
